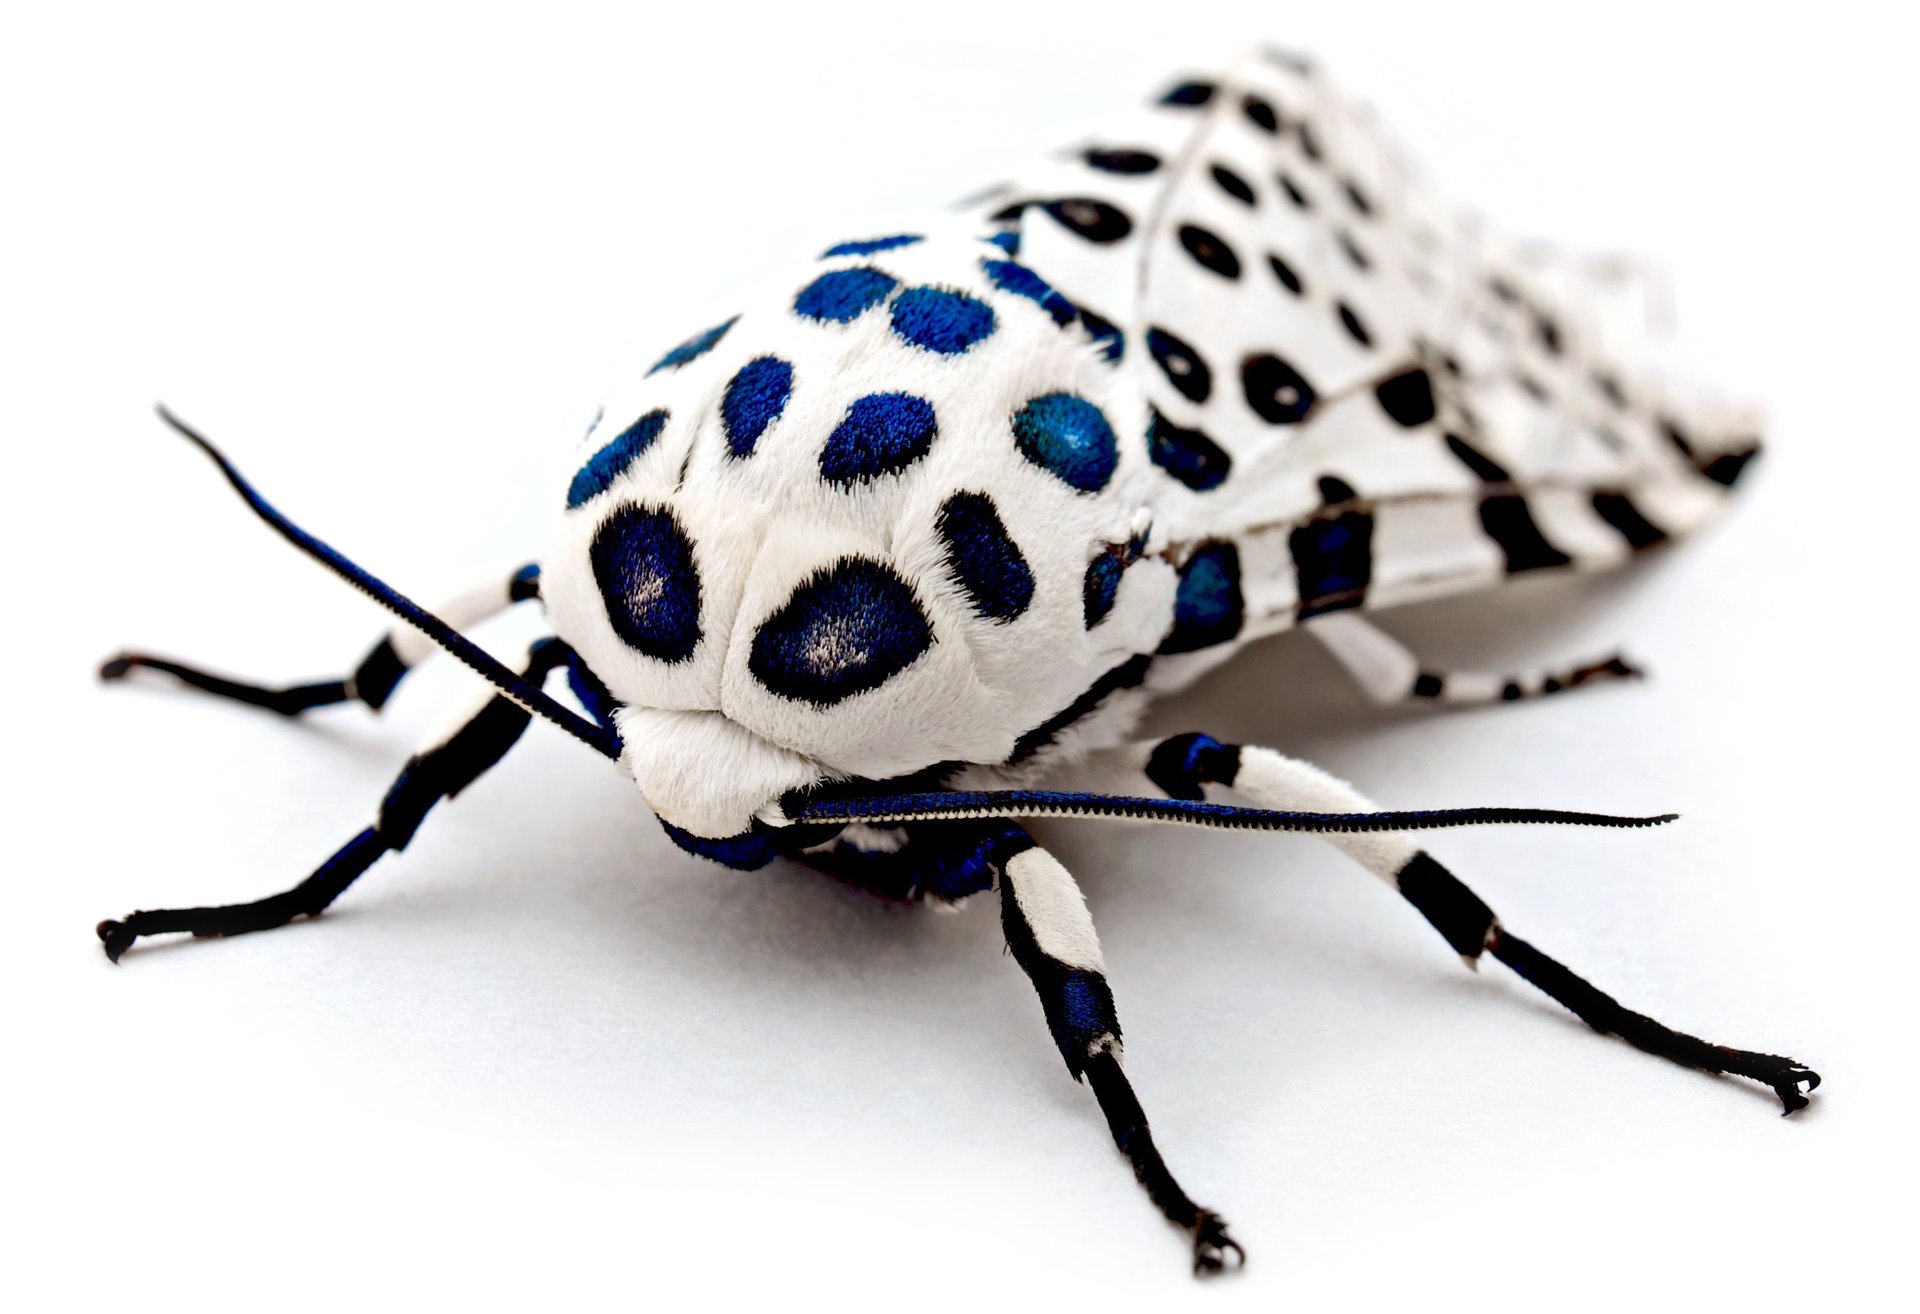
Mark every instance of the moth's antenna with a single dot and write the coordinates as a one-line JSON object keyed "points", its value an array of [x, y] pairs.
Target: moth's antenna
{"points": [[501, 677], [954, 805]]}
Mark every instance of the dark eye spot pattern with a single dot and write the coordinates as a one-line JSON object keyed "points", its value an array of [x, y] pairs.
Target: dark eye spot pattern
{"points": [[1210, 250], [1208, 608], [692, 349], [754, 399], [1009, 276], [871, 245], [849, 628], [883, 433], [1358, 199], [643, 565], [844, 295], [1122, 161], [982, 557], [1068, 437], [1277, 392], [1292, 189], [1233, 184], [1181, 364], [1407, 398], [1187, 454], [612, 460], [943, 322]]}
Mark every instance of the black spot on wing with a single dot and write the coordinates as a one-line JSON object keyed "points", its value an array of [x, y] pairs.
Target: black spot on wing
{"points": [[1188, 95], [1128, 162], [1233, 184], [1289, 278], [1509, 522], [1093, 219], [1407, 398], [1277, 392], [1484, 468], [1727, 468], [1333, 553], [1208, 606], [1618, 510], [1209, 250], [1187, 454], [1182, 365]]}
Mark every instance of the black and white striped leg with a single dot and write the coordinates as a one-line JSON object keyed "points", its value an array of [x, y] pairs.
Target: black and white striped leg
{"points": [[372, 682], [1185, 764], [1051, 935], [437, 772], [1388, 672]]}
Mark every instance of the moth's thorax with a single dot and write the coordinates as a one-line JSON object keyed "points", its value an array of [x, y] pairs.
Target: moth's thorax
{"points": [[858, 531]]}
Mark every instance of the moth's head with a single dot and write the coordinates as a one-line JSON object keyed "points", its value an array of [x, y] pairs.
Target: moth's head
{"points": [[889, 517]]}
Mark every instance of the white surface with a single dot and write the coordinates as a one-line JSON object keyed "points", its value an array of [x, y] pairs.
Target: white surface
{"points": [[389, 257]]}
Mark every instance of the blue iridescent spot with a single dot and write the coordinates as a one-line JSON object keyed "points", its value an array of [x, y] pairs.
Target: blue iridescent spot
{"points": [[1102, 583], [611, 461], [982, 557], [754, 399], [883, 433], [1069, 437], [943, 322], [1207, 605], [643, 563], [698, 345], [1023, 282], [844, 295], [1187, 454], [1008, 241], [871, 245], [850, 628]]}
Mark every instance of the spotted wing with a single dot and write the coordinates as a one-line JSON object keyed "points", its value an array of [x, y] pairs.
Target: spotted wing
{"points": [[1359, 392]]}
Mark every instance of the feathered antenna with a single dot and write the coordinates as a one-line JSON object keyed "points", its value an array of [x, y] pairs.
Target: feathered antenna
{"points": [[508, 681]]}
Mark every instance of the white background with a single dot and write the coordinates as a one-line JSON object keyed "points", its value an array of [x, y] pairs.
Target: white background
{"points": [[391, 254]]}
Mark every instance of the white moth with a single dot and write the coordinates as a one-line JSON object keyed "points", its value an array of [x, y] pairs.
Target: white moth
{"points": [[901, 551]]}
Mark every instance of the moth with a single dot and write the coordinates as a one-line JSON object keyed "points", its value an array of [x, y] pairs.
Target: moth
{"points": [[896, 556]]}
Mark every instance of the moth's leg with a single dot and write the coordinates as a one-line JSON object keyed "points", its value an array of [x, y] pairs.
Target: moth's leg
{"points": [[1388, 672], [440, 770], [1052, 938], [1185, 764], [372, 682]]}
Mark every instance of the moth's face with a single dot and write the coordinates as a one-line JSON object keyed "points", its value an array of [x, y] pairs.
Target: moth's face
{"points": [[886, 519]]}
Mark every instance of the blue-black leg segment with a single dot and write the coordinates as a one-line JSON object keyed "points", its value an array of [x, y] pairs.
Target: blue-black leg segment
{"points": [[1080, 1013], [371, 683], [438, 773], [1184, 765]]}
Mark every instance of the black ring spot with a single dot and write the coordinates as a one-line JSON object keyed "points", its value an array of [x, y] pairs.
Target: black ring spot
{"points": [[1210, 250], [1181, 364], [1277, 392]]}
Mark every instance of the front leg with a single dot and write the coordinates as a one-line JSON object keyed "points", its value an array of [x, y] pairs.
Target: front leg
{"points": [[1052, 938]]}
